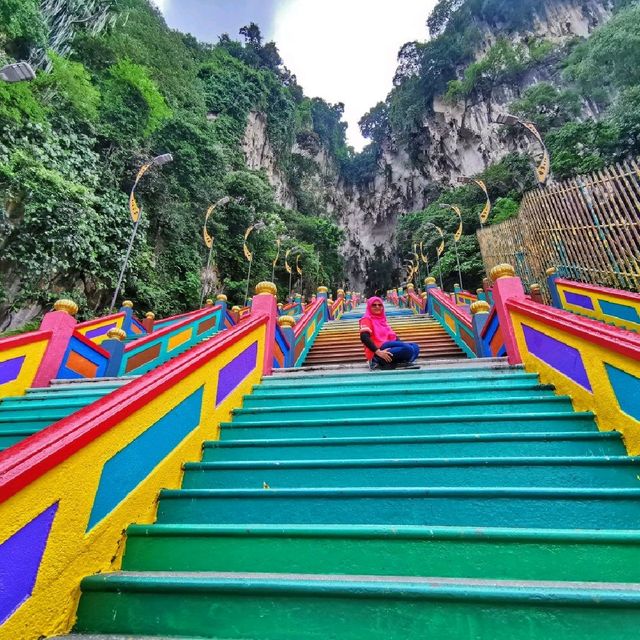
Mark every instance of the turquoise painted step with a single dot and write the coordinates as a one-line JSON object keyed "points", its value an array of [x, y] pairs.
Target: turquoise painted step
{"points": [[449, 373], [9, 438], [26, 404], [521, 444], [610, 556], [402, 393], [401, 380], [468, 507], [38, 394], [24, 423], [541, 401], [462, 472], [423, 425], [311, 607]]}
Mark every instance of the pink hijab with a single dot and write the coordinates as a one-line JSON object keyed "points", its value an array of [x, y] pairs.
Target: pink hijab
{"points": [[381, 332]]}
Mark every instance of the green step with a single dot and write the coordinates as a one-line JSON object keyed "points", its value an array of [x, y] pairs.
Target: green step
{"points": [[400, 380], [9, 438], [512, 422], [541, 401], [314, 607], [402, 393], [545, 508], [19, 407], [522, 444], [434, 373], [26, 423], [460, 472], [609, 556]]}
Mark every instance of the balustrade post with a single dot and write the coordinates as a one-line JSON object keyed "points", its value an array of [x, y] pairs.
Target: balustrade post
{"points": [[507, 286], [287, 323], [115, 346], [536, 294], [552, 276], [479, 316], [264, 303], [62, 323], [149, 321], [481, 294]]}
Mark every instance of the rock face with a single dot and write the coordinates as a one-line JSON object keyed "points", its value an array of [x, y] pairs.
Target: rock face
{"points": [[456, 140]]}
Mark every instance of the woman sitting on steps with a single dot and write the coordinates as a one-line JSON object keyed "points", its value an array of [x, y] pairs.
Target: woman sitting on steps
{"points": [[382, 348]]}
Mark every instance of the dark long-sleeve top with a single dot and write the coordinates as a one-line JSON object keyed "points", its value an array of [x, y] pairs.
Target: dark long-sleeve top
{"points": [[365, 338]]}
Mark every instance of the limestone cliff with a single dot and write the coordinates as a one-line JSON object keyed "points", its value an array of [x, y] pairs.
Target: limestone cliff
{"points": [[456, 140]]}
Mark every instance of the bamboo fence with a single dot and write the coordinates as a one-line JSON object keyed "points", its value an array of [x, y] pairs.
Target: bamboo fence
{"points": [[588, 228]]}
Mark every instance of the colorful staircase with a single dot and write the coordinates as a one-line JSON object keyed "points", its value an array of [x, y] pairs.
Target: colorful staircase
{"points": [[23, 416], [339, 342], [459, 501]]}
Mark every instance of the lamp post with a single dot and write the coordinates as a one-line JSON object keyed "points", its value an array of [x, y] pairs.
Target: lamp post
{"points": [[17, 72], [543, 169], [208, 240], [247, 253], [424, 256], [275, 260], [457, 235], [439, 249], [484, 214], [135, 212], [287, 266], [299, 272]]}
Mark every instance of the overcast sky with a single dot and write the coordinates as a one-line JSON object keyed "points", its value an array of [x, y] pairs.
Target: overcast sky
{"points": [[340, 50]]}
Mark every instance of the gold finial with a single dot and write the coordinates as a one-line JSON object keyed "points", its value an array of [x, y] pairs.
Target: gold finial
{"points": [[116, 334], [340, 292], [128, 304], [66, 305], [286, 321], [235, 309], [480, 306], [330, 300], [221, 297], [430, 280], [208, 302], [479, 291], [323, 290], [423, 295], [410, 287], [280, 305], [150, 315], [551, 271], [266, 287], [535, 287], [502, 271]]}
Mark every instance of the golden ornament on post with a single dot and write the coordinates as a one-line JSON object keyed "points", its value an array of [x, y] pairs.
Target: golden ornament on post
{"points": [[535, 287], [222, 297], [116, 334], [502, 271], [128, 304], [479, 291], [208, 302], [410, 287], [551, 271], [430, 280], [423, 295], [66, 305], [340, 292], [280, 305], [150, 315], [287, 321], [323, 290], [480, 306], [266, 287], [235, 309]]}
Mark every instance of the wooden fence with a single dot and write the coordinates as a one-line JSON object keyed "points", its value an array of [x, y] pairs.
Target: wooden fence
{"points": [[588, 228]]}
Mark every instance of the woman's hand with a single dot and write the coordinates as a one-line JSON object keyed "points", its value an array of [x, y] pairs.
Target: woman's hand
{"points": [[385, 355]]}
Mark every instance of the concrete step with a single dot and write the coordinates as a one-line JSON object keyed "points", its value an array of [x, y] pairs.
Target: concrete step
{"points": [[246, 606], [474, 445], [518, 554], [567, 472]]}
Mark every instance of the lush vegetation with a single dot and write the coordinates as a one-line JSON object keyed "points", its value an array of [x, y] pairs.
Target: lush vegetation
{"points": [[588, 110], [110, 95]]}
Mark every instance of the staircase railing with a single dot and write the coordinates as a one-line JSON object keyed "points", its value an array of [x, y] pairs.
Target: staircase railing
{"points": [[613, 306], [20, 359], [597, 365], [454, 319], [68, 493]]}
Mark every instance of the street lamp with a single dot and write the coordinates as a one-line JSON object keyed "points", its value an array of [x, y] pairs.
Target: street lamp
{"points": [[287, 266], [247, 253], [543, 169], [439, 250], [484, 214], [208, 240], [457, 235], [17, 72], [135, 211]]}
